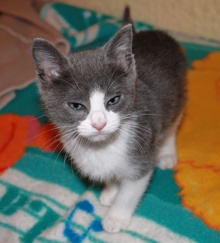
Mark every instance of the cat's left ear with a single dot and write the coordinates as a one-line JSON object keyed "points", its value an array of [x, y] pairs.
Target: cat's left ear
{"points": [[119, 48], [49, 61]]}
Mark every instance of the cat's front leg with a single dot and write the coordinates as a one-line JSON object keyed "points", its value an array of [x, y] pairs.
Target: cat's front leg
{"points": [[167, 154], [119, 215], [109, 193]]}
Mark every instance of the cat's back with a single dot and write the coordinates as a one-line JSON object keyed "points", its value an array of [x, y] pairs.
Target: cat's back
{"points": [[161, 69], [156, 55]]}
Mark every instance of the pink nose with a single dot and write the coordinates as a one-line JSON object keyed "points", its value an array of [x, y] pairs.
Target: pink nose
{"points": [[98, 120], [99, 126]]}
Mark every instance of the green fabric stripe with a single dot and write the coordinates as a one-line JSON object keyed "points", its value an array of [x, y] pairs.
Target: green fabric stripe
{"points": [[177, 219], [51, 168], [139, 236], [27, 102], [31, 194], [195, 51], [12, 228], [159, 206], [20, 232], [48, 241]]}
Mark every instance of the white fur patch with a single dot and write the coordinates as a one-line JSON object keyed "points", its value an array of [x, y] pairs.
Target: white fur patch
{"points": [[125, 202], [102, 160], [167, 154], [105, 154], [99, 123], [109, 193]]}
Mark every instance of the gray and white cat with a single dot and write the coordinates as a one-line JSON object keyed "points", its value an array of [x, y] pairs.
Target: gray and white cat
{"points": [[117, 108]]}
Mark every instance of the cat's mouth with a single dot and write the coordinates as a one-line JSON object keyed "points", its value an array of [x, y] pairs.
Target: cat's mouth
{"points": [[99, 136], [93, 134]]}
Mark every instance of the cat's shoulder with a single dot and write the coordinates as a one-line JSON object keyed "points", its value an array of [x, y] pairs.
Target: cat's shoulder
{"points": [[154, 40]]}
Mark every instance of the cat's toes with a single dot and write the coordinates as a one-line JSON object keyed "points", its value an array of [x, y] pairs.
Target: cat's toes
{"points": [[114, 224], [167, 161]]}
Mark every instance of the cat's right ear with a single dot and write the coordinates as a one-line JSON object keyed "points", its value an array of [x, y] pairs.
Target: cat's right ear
{"points": [[48, 61], [119, 48]]}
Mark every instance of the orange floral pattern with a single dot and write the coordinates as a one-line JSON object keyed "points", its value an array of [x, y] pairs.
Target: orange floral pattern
{"points": [[47, 140], [12, 139], [18, 132], [198, 171]]}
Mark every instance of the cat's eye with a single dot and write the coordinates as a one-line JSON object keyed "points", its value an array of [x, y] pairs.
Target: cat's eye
{"points": [[114, 100], [76, 106]]}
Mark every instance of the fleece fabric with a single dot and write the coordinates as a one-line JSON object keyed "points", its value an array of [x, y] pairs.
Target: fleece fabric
{"points": [[42, 197]]}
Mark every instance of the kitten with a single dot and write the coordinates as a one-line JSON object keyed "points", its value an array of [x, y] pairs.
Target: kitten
{"points": [[117, 108]]}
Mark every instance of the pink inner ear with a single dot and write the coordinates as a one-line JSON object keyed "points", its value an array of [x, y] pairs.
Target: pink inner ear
{"points": [[47, 78], [50, 73]]}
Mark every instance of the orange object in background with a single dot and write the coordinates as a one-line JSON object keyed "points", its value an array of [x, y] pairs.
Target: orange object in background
{"points": [[18, 132], [198, 170], [48, 139], [13, 139]]}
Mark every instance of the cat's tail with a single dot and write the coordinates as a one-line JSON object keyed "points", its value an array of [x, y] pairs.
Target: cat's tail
{"points": [[127, 18]]}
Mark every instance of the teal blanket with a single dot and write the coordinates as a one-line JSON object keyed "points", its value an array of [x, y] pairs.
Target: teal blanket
{"points": [[42, 198]]}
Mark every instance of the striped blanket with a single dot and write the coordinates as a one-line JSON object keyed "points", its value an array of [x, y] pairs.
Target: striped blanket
{"points": [[42, 198]]}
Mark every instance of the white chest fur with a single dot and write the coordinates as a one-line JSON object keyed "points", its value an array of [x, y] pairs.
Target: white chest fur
{"points": [[104, 160], [102, 149]]}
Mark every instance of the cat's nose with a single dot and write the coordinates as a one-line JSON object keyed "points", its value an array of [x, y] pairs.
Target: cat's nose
{"points": [[98, 120], [99, 126]]}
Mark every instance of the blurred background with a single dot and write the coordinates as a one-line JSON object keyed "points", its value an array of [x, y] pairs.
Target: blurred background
{"points": [[197, 17], [76, 25]]}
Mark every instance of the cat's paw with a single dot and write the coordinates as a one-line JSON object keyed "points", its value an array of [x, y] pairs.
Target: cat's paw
{"points": [[115, 223], [108, 195], [167, 161]]}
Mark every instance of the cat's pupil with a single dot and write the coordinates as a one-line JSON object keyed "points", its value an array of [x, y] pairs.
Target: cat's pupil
{"points": [[76, 106], [114, 100]]}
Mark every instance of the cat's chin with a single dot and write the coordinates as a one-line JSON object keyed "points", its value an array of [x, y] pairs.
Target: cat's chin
{"points": [[101, 137]]}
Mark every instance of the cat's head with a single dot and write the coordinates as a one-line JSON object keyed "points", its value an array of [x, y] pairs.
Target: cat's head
{"points": [[89, 93]]}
